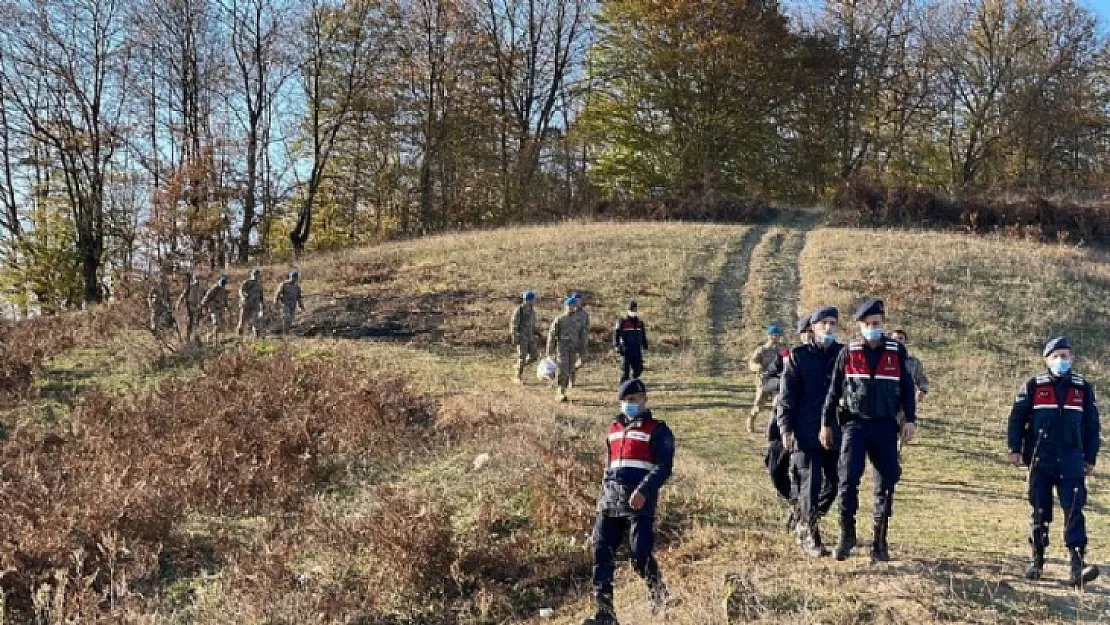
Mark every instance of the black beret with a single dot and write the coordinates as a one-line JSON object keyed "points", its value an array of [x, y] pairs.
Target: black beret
{"points": [[1060, 342], [823, 312], [631, 387], [868, 308]]}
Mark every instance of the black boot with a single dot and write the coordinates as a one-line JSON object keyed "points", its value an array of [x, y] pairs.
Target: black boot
{"points": [[847, 539], [1038, 542], [606, 614], [792, 518], [1080, 573], [658, 595], [880, 550], [820, 542], [808, 541]]}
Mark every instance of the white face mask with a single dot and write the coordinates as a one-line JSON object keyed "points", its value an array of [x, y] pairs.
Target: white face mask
{"points": [[632, 313]]}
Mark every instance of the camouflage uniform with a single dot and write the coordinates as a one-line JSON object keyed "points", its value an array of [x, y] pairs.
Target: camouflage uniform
{"points": [[192, 297], [161, 316], [250, 307], [764, 362], [582, 318], [566, 334], [289, 298], [215, 302], [523, 329]]}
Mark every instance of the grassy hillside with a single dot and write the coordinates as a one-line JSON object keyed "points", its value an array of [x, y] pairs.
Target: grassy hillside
{"points": [[345, 456]]}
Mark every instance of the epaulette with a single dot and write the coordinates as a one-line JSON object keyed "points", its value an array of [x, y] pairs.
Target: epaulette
{"points": [[1078, 379], [1043, 378]]}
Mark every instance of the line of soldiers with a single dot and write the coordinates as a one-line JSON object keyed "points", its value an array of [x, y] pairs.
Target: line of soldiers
{"points": [[839, 406], [568, 340], [214, 302]]}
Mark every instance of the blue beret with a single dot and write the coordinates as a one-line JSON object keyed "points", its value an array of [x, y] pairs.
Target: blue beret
{"points": [[631, 387], [774, 329], [804, 324], [1060, 342], [569, 301], [868, 308], [529, 296], [824, 311]]}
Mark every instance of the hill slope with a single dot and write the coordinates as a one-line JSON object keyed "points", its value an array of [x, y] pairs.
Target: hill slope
{"points": [[419, 535]]}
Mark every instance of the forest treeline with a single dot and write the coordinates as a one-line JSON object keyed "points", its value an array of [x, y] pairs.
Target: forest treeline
{"points": [[156, 135]]}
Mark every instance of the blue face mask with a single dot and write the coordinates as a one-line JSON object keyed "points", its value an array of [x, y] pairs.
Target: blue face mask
{"points": [[872, 334], [828, 339], [1060, 367], [630, 409]]}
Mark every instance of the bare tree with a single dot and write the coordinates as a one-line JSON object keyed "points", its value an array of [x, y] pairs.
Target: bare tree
{"points": [[67, 74]]}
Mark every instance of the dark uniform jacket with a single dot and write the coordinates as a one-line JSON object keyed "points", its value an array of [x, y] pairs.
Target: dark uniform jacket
{"points": [[1054, 424]]}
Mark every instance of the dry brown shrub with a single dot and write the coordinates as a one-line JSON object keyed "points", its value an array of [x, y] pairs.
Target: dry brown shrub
{"points": [[250, 435]]}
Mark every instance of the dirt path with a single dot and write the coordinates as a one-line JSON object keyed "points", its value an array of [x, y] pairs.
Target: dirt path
{"points": [[726, 308]]}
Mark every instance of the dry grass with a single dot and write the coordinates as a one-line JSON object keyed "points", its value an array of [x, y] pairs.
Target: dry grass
{"points": [[406, 530]]}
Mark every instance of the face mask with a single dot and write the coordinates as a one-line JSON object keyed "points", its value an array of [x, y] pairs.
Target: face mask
{"points": [[630, 409], [1060, 367], [872, 334], [632, 314], [827, 339]]}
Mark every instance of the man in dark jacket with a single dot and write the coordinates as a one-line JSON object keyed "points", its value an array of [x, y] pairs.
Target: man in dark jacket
{"points": [[870, 385], [630, 341], [777, 458], [1054, 430], [805, 385], [639, 456]]}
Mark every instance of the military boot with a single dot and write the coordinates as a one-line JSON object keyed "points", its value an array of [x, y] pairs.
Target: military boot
{"points": [[658, 595], [562, 394], [1038, 540], [808, 541], [1081, 574], [847, 539], [825, 552], [880, 550], [792, 518], [606, 614]]}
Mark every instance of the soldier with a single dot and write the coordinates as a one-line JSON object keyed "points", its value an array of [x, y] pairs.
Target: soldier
{"points": [[215, 302], [564, 335], [161, 315], [630, 341], [250, 304], [1054, 430], [639, 456], [764, 362], [191, 296], [805, 385], [917, 371], [522, 327], [583, 320], [288, 297], [870, 385]]}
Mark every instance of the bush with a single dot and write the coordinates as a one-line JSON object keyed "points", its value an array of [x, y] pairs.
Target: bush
{"points": [[98, 502], [700, 209], [860, 203]]}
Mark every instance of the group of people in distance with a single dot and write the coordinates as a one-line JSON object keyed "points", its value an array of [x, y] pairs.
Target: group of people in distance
{"points": [[215, 302], [837, 406]]}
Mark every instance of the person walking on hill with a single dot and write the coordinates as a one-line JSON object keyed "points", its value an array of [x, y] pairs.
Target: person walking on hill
{"points": [[250, 304], [522, 328], [215, 302], [639, 457], [582, 319], [288, 297], [766, 363], [563, 339], [914, 366], [805, 385], [870, 385], [191, 297], [630, 342], [1054, 431], [161, 313]]}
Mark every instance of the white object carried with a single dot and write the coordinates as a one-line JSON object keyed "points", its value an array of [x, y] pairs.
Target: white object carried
{"points": [[546, 369]]}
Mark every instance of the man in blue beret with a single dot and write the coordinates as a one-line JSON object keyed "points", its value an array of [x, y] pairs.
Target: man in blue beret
{"points": [[1054, 431], [805, 385], [639, 456], [766, 363], [870, 385]]}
